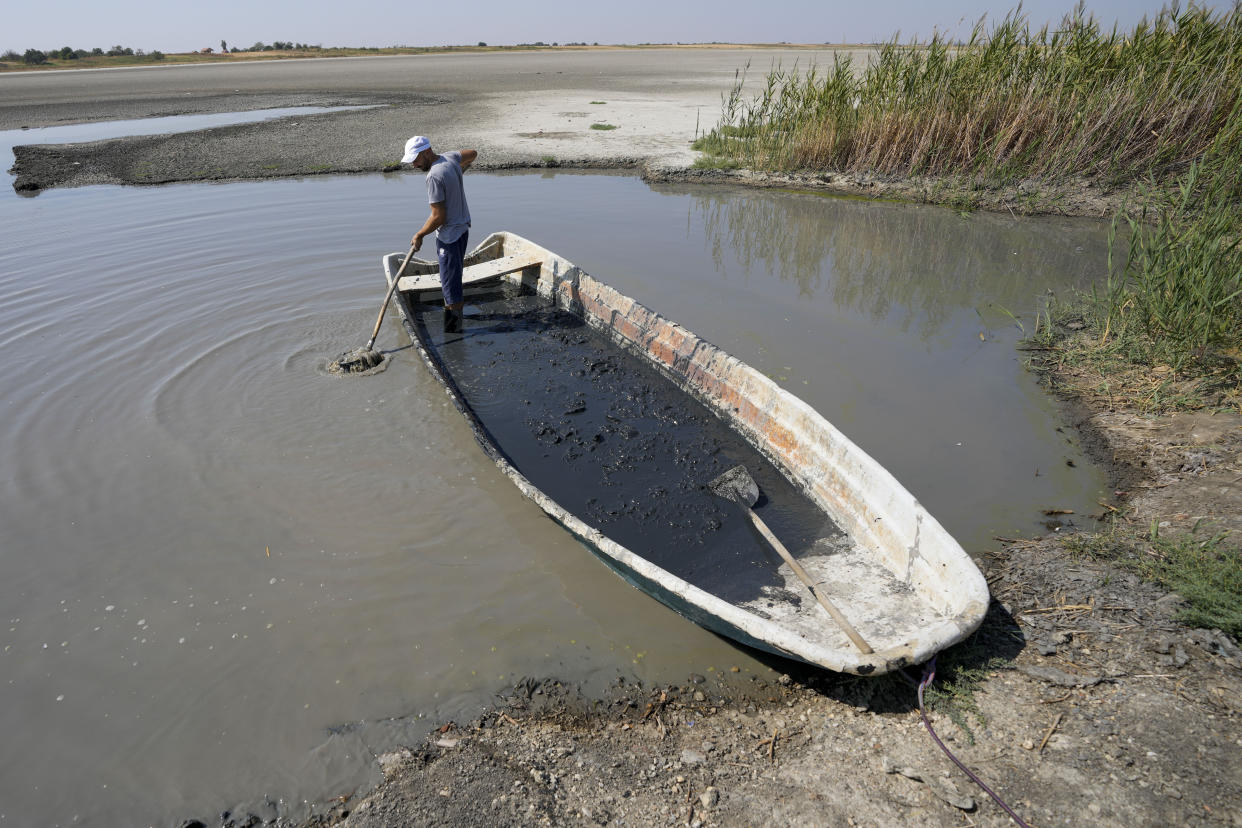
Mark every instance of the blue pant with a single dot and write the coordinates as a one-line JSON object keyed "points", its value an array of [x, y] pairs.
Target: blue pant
{"points": [[451, 256]]}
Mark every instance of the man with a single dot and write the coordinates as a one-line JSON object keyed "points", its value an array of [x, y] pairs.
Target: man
{"points": [[449, 219]]}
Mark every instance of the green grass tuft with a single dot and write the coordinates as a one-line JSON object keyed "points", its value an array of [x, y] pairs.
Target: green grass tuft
{"points": [[962, 670], [1207, 574], [1204, 570], [602, 127], [954, 691], [711, 162]]}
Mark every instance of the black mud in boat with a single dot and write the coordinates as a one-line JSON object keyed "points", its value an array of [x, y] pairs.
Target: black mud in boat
{"points": [[614, 420]]}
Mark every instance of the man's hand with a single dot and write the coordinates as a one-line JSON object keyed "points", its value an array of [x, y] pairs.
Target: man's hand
{"points": [[434, 221]]}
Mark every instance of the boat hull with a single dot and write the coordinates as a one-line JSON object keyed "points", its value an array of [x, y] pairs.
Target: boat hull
{"points": [[901, 578]]}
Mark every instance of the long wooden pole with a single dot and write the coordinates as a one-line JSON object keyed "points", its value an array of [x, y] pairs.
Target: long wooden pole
{"points": [[391, 289], [802, 574]]}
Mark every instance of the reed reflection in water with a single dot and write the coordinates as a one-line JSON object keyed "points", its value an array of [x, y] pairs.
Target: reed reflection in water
{"points": [[914, 266]]}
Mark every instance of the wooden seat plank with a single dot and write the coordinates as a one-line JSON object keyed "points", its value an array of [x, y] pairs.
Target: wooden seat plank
{"points": [[473, 275]]}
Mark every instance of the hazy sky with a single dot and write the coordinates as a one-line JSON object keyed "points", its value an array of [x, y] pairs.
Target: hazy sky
{"points": [[178, 26]]}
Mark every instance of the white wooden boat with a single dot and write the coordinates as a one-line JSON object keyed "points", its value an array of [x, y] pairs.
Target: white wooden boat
{"points": [[633, 414]]}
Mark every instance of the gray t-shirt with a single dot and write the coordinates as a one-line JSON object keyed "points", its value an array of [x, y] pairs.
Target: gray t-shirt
{"points": [[444, 184]]}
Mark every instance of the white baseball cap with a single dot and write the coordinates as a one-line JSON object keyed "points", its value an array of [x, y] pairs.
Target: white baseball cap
{"points": [[413, 147]]}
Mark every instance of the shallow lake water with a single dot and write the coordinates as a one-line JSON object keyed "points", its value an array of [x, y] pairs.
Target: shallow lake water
{"points": [[228, 574]]}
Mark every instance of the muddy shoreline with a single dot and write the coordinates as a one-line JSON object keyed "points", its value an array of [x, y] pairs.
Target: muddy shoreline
{"points": [[1091, 704], [344, 143]]}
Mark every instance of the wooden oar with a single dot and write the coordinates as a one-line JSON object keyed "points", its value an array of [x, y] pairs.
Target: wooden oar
{"points": [[737, 485]]}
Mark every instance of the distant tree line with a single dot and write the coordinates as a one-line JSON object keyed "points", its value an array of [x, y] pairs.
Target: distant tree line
{"points": [[277, 46], [541, 43], [36, 57]]}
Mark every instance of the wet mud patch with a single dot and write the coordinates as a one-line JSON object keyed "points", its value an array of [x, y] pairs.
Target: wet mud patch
{"points": [[619, 445], [344, 138], [358, 362]]}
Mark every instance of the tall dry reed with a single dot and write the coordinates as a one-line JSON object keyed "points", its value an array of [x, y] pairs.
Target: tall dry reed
{"points": [[1010, 103]]}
